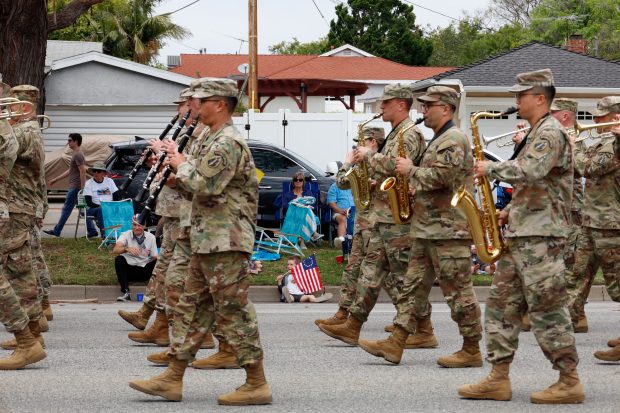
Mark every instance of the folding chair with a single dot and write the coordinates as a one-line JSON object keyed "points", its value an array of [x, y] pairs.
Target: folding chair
{"points": [[309, 186], [82, 207], [117, 217]]}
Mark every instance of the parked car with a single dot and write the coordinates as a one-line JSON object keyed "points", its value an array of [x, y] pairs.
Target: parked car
{"points": [[276, 162]]}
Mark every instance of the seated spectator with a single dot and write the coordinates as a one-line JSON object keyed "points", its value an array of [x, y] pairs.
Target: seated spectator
{"points": [[340, 201], [298, 189], [291, 291], [138, 254], [98, 189]]}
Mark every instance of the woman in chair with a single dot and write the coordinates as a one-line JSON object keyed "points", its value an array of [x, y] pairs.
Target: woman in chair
{"points": [[298, 189]]}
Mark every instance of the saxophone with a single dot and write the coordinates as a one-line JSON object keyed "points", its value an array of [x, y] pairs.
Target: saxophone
{"points": [[483, 221], [397, 187], [358, 176]]}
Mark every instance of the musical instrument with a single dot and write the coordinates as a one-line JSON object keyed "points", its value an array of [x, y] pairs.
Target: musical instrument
{"points": [[150, 202], [7, 113], [160, 160], [358, 176], [491, 139], [397, 187], [579, 129], [483, 220], [43, 118]]}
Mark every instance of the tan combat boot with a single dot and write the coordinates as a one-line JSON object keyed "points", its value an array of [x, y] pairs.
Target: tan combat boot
{"points": [[47, 308], [35, 330], [348, 332], [423, 336], [389, 328], [609, 355], [568, 389], [208, 341], [525, 323], [28, 351], [140, 318], [496, 386], [582, 324], [614, 342], [168, 385], [223, 359], [255, 390], [468, 356], [157, 333], [339, 318], [390, 349], [45, 327], [162, 358]]}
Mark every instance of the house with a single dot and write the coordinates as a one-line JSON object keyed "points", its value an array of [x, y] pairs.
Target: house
{"points": [[484, 84], [343, 78], [93, 93]]}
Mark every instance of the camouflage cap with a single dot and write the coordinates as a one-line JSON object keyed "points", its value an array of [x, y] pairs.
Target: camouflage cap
{"points": [[4, 89], [25, 92], [397, 91], [183, 96], [97, 167], [528, 80], [564, 104], [212, 86], [374, 132], [607, 105], [441, 94]]}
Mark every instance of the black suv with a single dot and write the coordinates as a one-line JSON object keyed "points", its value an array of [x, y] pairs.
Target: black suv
{"points": [[277, 163]]}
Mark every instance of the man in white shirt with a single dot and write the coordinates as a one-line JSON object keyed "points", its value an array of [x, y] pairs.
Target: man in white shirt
{"points": [[138, 254], [98, 189]]}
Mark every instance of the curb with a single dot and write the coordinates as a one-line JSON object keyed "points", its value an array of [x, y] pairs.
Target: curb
{"points": [[262, 294]]}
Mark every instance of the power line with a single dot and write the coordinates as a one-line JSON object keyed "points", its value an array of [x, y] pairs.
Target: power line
{"points": [[431, 10], [184, 7], [319, 10]]}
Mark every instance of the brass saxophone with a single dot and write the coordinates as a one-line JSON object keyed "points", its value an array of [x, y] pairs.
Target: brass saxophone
{"points": [[358, 176], [397, 187], [483, 221]]}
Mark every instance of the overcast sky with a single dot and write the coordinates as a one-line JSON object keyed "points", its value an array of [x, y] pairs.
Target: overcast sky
{"points": [[217, 25]]}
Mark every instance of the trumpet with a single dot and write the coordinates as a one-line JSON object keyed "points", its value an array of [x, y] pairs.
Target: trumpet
{"points": [[580, 128], [7, 113], [42, 119], [491, 139]]}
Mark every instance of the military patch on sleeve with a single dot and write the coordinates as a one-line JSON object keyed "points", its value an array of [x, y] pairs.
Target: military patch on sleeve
{"points": [[447, 157], [540, 145], [603, 158], [214, 161]]}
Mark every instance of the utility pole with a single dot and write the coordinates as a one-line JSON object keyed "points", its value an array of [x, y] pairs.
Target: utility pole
{"points": [[253, 51]]}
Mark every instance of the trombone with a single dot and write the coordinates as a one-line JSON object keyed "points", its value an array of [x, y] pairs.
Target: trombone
{"points": [[580, 128], [491, 139], [7, 113]]}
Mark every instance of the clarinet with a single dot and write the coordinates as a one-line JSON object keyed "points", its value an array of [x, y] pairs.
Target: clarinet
{"points": [[150, 202], [146, 155], [162, 157]]}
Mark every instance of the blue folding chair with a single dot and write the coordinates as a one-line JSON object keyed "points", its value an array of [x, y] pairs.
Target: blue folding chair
{"points": [[117, 217]]}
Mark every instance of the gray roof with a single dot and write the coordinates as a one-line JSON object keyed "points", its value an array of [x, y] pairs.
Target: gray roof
{"points": [[59, 49], [570, 69]]}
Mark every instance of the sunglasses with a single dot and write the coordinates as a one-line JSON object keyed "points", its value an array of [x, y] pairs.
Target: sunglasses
{"points": [[298, 180]]}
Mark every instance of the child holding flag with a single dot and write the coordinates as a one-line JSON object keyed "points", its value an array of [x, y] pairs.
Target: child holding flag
{"points": [[302, 279]]}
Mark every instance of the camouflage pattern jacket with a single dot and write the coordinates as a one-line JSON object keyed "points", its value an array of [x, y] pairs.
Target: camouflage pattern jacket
{"points": [[383, 165], [8, 154], [222, 178], [27, 179], [577, 204], [601, 165], [362, 218], [446, 164], [542, 177]]}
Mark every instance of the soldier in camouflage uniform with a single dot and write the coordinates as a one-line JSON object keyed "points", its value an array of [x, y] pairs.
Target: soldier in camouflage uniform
{"points": [[21, 155], [599, 243], [531, 272], [223, 181], [440, 237], [565, 111], [386, 258]]}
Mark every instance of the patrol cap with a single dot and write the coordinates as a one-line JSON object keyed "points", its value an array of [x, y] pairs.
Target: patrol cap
{"points": [[397, 91], [4, 89], [373, 132], [28, 93], [528, 80], [183, 96], [607, 105], [97, 167], [443, 94], [564, 104], [212, 86]]}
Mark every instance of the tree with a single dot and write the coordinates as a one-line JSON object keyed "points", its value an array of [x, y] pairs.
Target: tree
{"points": [[513, 11], [384, 28], [296, 47]]}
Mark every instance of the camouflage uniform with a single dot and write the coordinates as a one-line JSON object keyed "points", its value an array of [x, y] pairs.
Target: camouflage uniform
{"points": [[599, 243], [222, 179], [440, 235], [531, 273], [387, 248]]}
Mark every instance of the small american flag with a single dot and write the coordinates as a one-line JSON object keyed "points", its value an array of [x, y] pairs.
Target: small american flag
{"points": [[307, 275]]}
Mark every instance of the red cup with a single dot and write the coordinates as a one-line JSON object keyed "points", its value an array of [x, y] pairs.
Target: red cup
{"points": [[339, 259]]}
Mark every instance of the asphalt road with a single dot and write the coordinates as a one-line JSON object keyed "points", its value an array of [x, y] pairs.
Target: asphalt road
{"points": [[90, 361]]}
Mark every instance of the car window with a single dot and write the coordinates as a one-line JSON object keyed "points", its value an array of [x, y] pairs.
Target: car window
{"points": [[126, 158], [274, 164]]}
